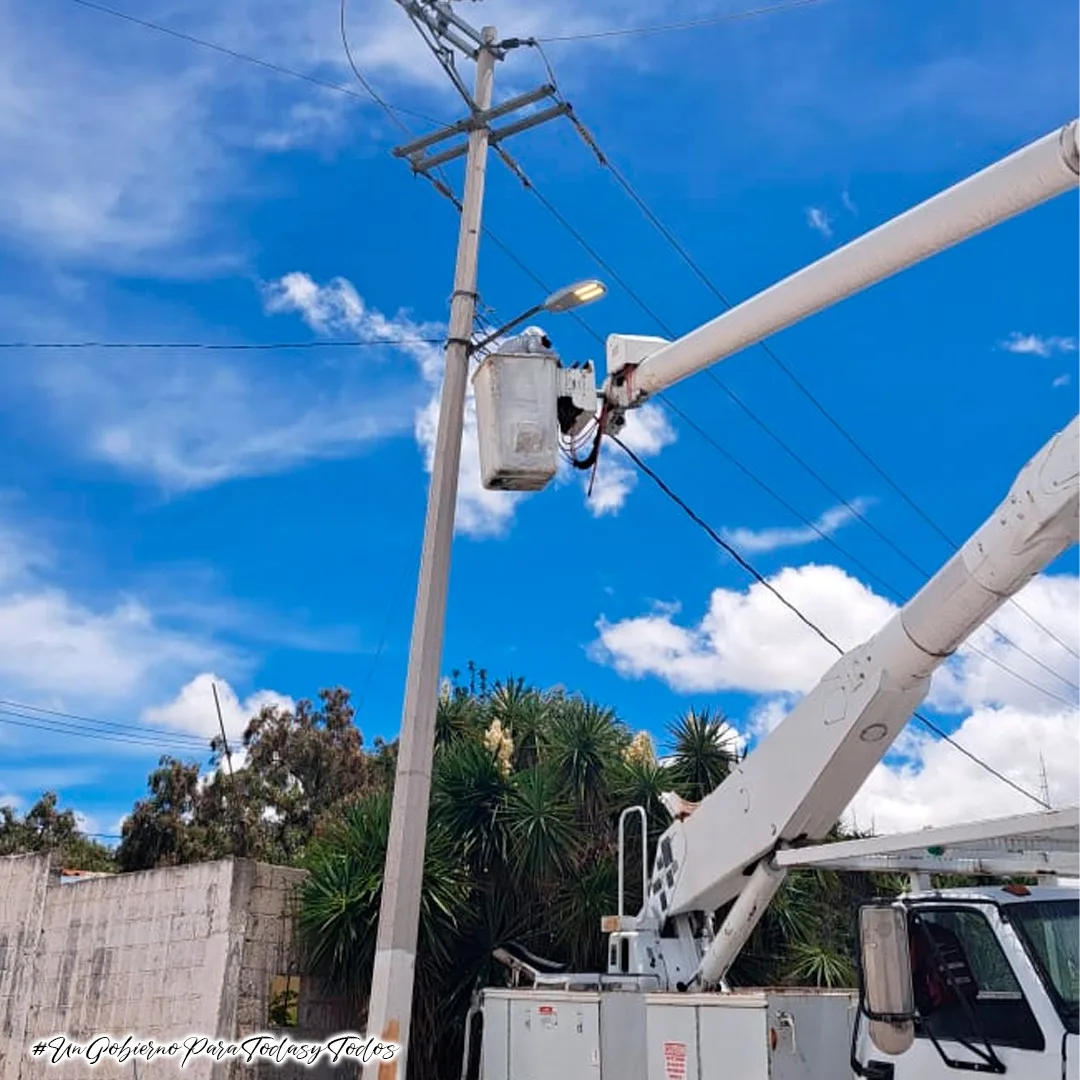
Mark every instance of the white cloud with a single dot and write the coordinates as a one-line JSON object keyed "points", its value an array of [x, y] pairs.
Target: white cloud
{"points": [[819, 220], [941, 786], [748, 640], [193, 711], [187, 423], [89, 655], [1061, 380], [1038, 345], [50, 644], [832, 520], [972, 680], [647, 432], [139, 187], [768, 714], [849, 205]]}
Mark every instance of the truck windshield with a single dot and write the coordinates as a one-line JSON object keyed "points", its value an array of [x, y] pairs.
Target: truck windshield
{"points": [[1050, 930]]}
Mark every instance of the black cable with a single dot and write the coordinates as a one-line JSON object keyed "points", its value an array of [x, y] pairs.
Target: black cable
{"points": [[674, 242], [220, 347], [669, 331], [97, 722], [36, 723], [237, 55], [693, 24], [362, 80], [761, 579], [719, 540]]}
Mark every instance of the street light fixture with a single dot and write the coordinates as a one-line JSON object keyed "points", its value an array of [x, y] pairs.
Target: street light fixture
{"points": [[565, 299]]}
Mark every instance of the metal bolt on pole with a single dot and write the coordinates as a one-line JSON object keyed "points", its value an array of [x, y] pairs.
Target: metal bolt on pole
{"points": [[399, 916]]}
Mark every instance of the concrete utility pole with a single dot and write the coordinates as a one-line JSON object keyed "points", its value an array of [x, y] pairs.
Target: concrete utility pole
{"points": [[399, 917]]}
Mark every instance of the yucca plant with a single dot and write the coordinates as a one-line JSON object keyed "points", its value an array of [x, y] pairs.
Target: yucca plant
{"points": [[704, 747]]}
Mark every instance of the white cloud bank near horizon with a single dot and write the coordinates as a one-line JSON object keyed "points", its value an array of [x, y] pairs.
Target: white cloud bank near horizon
{"points": [[748, 642]]}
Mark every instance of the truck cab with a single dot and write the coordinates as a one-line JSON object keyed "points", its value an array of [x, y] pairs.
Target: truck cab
{"points": [[965, 980]]}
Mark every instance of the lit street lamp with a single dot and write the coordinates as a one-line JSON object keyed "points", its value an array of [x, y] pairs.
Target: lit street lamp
{"points": [[565, 299]]}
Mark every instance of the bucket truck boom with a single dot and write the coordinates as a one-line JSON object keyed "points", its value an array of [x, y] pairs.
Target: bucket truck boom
{"points": [[796, 784]]}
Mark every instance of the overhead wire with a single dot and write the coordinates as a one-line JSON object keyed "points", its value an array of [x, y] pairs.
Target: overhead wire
{"points": [[854, 510], [258, 346], [15, 718], [768, 585], [236, 54], [99, 724], [362, 79], [692, 263]]}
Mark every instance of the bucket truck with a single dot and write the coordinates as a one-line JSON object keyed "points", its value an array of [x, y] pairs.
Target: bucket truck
{"points": [[951, 981]]}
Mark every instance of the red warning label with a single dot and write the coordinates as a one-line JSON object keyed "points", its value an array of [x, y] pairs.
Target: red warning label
{"points": [[675, 1060]]}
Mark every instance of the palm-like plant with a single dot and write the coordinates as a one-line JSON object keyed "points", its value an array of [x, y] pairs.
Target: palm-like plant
{"points": [[583, 743], [540, 826], [527, 790], [340, 897], [704, 748]]}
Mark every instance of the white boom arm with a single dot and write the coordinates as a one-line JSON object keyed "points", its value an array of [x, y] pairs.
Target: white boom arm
{"points": [[641, 367], [796, 784]]}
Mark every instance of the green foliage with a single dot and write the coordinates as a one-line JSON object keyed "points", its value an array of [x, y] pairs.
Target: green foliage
{"points": [[301, 766], [44, 828], [704, 748], [527, 790]]}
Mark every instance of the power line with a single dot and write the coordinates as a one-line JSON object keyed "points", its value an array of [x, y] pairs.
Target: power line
{"points": [[693, 24], [280, 69], [681, 250], [738, 401], [37, 723], [761, 579], [362, 79], [798, 459], [140, 729], [222, 346]]}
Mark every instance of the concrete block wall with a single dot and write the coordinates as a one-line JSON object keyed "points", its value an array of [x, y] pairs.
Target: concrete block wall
{"points": [[23, 883], [266, 897], [163, 954]]}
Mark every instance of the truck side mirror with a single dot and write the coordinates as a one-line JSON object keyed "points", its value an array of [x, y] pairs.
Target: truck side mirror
{"points": [[888, 996]]}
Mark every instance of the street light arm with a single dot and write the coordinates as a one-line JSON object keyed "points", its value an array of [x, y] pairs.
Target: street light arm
{"points": [[495, 334]]}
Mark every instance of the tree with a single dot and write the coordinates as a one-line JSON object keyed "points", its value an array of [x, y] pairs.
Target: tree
{"points": [[44, 828], [297, 765]]}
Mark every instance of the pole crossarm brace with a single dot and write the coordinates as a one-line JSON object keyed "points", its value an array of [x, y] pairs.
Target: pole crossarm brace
{"points": [[478, 119], [414, 151], [496, 137], [1037, 172]]}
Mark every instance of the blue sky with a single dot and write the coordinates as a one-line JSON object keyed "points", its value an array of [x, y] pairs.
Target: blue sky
{"points": [[168, 518]]}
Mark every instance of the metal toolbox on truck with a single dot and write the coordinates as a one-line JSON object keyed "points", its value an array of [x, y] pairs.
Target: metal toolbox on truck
{"points": [[746, 1035]]}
